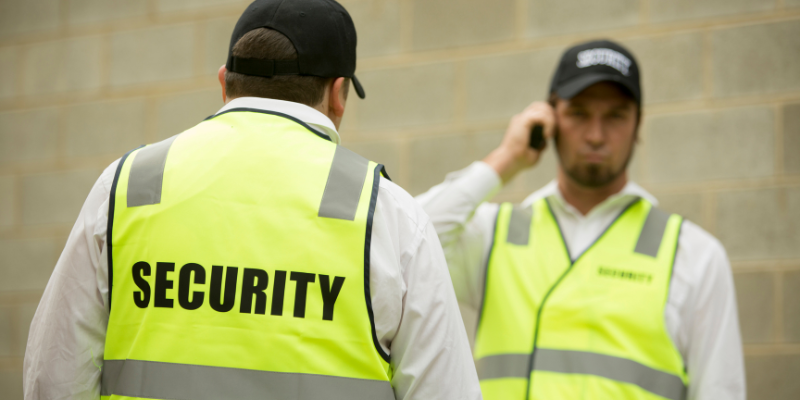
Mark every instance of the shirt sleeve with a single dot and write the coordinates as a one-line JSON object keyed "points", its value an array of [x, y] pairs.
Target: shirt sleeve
{"points": [[431, 356], [713, 343], [64, 354], [465, 225], [416, 313]]}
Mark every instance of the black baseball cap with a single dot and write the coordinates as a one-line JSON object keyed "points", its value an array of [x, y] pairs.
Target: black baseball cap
{"points": [[598, 61], [321, 30]]}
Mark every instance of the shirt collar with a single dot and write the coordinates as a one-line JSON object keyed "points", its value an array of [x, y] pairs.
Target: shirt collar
{"points": [[310, 116], [618, 200]]}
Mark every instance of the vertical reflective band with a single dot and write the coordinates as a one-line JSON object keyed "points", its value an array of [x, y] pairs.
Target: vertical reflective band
{"points": [[609, 367], [147, 174], [519, 227], [343, 189], [503, 366], [652, 232], [158, 380]]}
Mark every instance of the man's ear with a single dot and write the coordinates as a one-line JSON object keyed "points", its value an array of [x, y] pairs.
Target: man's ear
{"points": [[337, 99], [221, 76]]}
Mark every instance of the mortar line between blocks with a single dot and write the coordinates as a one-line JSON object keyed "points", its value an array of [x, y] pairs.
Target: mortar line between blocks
{"points": [[778, 323], [460, 95], [708, 65], [644, 12], [406, 26], [520, 20], [200, 27], [61, 138], [710, 211], [778, 143], [18, 197]]}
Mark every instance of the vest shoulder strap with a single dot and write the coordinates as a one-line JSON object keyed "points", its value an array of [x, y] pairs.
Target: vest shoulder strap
{"points": [[652, 232]]}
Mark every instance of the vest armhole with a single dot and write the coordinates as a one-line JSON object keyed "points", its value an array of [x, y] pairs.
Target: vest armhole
{"points": [[384, 173], [486, 270], [367, 246], [674, 258], [110, 223]]}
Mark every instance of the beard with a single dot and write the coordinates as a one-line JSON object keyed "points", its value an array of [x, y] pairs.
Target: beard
{"points": [[595, 175]]}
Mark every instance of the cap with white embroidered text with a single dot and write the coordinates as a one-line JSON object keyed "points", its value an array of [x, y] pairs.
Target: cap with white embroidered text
{"points": [[321, 30], [598, 61]]}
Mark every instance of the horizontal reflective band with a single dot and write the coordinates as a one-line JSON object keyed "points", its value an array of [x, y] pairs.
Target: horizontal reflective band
{"points": [[157, 380], [503, 366], [343, 189], [147, 174], [614, 368], [519, 227], [652, 232]]}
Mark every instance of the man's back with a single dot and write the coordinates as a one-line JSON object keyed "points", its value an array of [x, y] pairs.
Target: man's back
{"points": [[406, 272]]}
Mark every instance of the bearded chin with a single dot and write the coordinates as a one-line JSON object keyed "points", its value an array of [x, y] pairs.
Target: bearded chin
{"points": [[595, 176], [592, 176]]}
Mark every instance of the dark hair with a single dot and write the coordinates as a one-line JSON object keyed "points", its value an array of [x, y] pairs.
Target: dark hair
{"points": [[264, 43]]}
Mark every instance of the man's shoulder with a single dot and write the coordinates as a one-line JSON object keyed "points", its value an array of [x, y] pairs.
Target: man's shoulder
{"points": [[700, 256], [694, 236], [399, 210]]}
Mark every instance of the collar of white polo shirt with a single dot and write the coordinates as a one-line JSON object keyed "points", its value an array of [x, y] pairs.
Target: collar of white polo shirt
{"points": [[310, 116]]}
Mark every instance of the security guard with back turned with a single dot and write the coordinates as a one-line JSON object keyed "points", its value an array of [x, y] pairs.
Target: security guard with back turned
{"points": [[251, 257], [587, 290]]}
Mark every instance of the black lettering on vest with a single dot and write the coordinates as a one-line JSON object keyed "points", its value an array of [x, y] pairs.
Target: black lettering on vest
{"points": [[215, 291], [162, 284], [329, 294], [626, 275], [185, 282], [302, 279], [254, 282], [141, 299], [278, 289]]}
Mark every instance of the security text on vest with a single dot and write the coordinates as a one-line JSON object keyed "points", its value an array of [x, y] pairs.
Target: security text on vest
{"points": [[254, 285]]}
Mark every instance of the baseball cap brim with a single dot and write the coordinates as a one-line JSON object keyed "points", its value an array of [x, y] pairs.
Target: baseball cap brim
{"points": [[358, 87], [572, 88]]}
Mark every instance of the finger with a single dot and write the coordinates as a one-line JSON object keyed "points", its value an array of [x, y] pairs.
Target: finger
{"points": [[545, 115]]}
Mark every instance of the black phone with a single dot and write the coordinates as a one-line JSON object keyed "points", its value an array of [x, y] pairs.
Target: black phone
{"points": [[537, 137]]}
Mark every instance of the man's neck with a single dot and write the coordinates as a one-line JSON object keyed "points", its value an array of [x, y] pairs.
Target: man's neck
{"points": [[584, 198]]}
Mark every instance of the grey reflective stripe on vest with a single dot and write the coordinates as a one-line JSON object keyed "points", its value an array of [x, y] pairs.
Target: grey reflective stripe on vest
{"points": [[343, 189], [652, 232], [580, 362], [519, 227], [503, 366], [157, 380], [614, 368], [147, 174]]}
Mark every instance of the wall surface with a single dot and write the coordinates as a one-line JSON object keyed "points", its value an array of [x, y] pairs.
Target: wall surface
{"points": [[83, 81]]}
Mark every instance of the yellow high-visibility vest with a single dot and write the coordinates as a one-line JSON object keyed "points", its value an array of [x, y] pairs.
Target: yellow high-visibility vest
{"points": [[591, 328], [239, 267]]}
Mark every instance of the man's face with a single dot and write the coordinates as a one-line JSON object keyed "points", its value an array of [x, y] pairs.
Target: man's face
{"points": [[596, 134]]}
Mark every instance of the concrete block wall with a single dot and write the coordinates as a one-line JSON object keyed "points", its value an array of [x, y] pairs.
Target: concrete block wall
{"points": [[83, 81]]}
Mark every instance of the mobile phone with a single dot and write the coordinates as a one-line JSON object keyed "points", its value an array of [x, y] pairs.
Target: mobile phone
{"points": [[537, 137]]}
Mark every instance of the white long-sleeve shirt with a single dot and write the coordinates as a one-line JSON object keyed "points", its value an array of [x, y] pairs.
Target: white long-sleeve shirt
{"points": [[416, 312], [700, 314]]}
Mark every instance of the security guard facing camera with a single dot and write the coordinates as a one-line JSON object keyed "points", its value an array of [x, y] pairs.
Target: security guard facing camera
{"points": [[251, 256], [587, 290]]}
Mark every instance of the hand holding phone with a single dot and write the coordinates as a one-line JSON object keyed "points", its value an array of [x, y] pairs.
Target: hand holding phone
{"points": [[524, 141], [537, 137]]}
